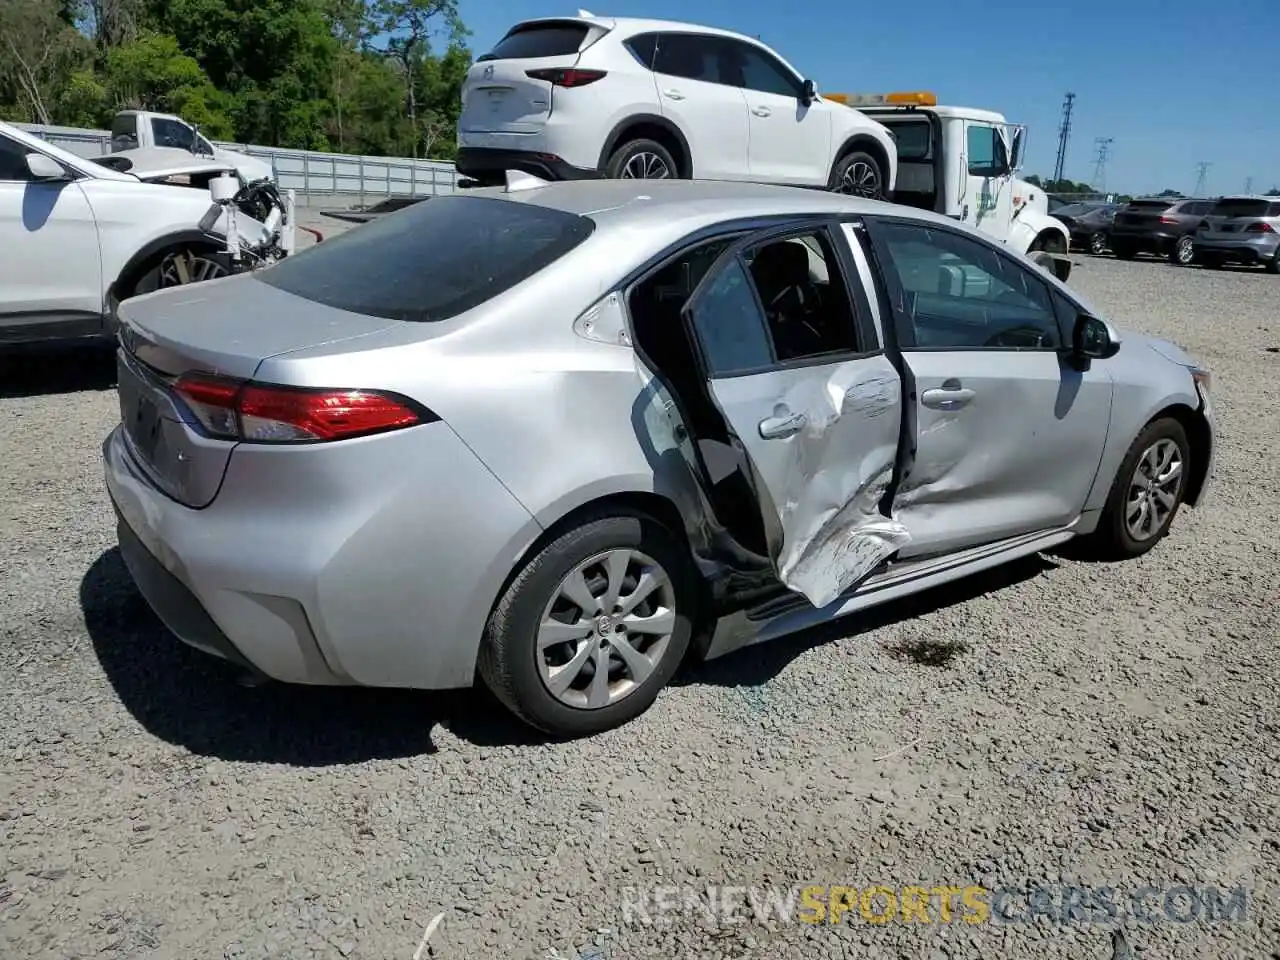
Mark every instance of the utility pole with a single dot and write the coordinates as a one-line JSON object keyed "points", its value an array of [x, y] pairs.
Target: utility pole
{"points": [[1064, 134], [1248, 184], [1100, 164], [1202, 178]]}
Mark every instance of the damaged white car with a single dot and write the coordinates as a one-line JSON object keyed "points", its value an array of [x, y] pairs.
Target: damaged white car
{"points": [[80, 235], [561, 434]]}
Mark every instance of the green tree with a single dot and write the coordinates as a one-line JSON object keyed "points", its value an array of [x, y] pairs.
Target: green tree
{"points": [[39, 51]]}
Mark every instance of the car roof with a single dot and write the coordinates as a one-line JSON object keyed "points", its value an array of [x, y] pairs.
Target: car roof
{"points": [[687, 204]]}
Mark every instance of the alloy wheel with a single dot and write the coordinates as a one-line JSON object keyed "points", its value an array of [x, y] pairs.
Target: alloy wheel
{"points": [[1154, 489], [184, 267], [1097, 244], [645, 166], [606, 629], [861, 179], [1185, 250]]}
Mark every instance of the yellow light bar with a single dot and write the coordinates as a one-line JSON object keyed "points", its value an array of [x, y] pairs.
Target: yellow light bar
{"points": [[916, 98]]}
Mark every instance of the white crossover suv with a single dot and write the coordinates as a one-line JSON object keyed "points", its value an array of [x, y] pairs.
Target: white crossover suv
{"points": [[586, 96]]}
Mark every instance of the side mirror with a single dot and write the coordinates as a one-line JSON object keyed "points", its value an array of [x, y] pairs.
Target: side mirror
{"points": [[809, 92], [45, 169], [1015, 152], [1093, 339]]}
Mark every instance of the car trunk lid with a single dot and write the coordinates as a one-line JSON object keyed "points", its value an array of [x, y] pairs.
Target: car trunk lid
{"points": [[220, 327], [499, 95]]}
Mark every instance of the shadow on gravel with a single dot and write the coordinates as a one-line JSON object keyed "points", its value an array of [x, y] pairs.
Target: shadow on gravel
{"points": [[194, 700], [758, 665], [33, 372]]}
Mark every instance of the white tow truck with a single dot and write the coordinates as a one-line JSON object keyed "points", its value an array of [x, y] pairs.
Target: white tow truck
{"points": [[961, 162], [135, 130]]}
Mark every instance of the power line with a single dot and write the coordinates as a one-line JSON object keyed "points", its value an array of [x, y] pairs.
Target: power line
{"points": [[1064, 134], [1202, 178], [1100, 163]]}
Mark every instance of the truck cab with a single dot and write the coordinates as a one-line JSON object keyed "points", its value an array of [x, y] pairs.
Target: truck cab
{"points": [[133, 130], [961, 162]]}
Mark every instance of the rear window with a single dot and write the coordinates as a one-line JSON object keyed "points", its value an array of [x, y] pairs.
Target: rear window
{"points": [[433, 260], [1151, 204], [125, 125], [1240, 208], [539, 40]]}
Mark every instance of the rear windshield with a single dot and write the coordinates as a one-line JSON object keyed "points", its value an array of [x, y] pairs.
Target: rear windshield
{"points": [[433, 260], [913, 140], [1151, 204], [1240, 208], [540, 40]]}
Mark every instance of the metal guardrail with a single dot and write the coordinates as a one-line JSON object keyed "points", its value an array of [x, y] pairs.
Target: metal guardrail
{"points": [[311, 174]]}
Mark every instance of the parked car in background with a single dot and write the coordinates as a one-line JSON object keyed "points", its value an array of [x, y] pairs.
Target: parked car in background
{"points": [[135, 130], [1158, 225], [587, 96], [1089, 223], [1241, 229], [712, 414]]}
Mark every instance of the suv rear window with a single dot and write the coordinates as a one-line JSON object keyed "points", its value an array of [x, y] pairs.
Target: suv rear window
{"points": [[539, 40], [433, 260], [1151, 204], [1243, 207]]}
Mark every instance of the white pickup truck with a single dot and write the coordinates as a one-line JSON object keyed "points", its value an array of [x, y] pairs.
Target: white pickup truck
{"points": [[144, 130], [960, 162]]}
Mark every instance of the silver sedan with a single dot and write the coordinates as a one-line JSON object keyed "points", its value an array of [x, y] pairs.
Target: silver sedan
{"points": [[560, 436]]}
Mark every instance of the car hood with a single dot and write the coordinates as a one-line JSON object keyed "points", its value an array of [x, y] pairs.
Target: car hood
{"points": [[158, 163], [1165, 348]]}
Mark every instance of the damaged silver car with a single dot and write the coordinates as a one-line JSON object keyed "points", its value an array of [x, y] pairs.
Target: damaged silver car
{"points": [[561, 435]]}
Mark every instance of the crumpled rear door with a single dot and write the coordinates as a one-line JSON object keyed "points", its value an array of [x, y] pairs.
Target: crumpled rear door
{"points": [[820, 433]]}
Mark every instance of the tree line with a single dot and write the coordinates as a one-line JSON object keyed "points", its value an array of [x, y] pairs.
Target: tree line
{"points": [[376, 77], [1068, 188]]}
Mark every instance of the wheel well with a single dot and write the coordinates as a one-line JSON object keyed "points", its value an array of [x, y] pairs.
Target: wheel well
{"points": [[150, 257], [659, 133], [1197, 429], [868, 145], [1045, 235]]}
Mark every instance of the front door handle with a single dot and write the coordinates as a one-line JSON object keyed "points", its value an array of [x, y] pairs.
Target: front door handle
{"points": [[782, 426], [762, 111], [947, 397], [673, 94]]}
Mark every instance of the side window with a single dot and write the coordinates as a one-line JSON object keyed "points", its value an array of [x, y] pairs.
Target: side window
{"points": [[643, 46], [170, 133], [689, 56], [13, 160], [727, 321], [754, 69], [985, 150], [956, 293], [806, 303]]}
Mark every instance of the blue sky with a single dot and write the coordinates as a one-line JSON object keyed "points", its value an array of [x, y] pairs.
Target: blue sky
{"points": [[1173, 82]]}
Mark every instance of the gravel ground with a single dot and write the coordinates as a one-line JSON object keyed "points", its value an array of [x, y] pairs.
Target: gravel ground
{"points": [[1052, 723]]}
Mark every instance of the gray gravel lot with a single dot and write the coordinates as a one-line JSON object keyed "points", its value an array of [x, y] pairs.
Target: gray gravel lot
{"points": [[1055, 722]]}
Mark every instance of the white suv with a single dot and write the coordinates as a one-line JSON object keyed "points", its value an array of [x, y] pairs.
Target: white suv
{"points": [[587, 96]]}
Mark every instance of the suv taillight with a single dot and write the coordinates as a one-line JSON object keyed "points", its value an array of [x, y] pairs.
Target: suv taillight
{"points": [[1260, 228], [267, 413], [566, 76], [1168, 219]]}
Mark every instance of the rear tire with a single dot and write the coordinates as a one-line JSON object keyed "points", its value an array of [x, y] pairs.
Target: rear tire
{"points": [[1273, 265], [636, 550], [1183, 252], [858, 174], [1123, 251], [1115, 538], [1097, 243], [641, 160]]}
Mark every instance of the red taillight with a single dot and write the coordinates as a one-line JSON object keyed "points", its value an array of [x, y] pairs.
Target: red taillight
{"points": [[1260, 228], [1168, 219], [263, 413], [566, 76]]}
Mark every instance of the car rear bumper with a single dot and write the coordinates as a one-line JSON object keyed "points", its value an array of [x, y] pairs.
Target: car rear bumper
{"points": [[373, 561], [489, 164], [1155, 241], [1241, 251]]}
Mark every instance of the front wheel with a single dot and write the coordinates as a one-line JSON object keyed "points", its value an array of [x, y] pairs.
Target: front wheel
{"points": [[858, 174], [1146, 493], [1183, 252], [592, 627], [180, 267], [1098, 243]]}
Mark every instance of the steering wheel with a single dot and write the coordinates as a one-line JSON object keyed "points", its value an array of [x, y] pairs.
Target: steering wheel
{"points": [[1027, 335]]}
